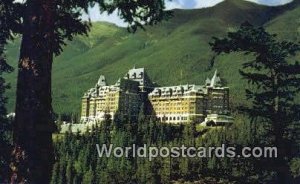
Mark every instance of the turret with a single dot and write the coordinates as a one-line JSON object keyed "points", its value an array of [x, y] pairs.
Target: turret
{"points": [[101, 81]]}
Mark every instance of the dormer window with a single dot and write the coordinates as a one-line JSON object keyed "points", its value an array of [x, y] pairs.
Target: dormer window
{"points": [[159, 92], [134, 75], [142, 74]]}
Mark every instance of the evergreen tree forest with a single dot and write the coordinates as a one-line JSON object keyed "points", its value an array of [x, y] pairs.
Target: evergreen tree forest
{"points": [[77, 159]]}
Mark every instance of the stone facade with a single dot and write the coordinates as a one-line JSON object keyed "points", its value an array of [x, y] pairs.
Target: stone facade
{"points": [[174, 104], [186, 103], [124, 97]]}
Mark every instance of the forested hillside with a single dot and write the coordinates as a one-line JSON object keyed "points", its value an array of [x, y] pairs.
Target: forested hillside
{"points": [[166, 50]]}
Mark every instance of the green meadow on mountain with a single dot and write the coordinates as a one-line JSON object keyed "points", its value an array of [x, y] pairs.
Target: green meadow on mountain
{"points": [[180, 45]]}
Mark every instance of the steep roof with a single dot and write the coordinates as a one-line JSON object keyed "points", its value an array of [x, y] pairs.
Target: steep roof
{"points": [[215, 80], [176, 90]]}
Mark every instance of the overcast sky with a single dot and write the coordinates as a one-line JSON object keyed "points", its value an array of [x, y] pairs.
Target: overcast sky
{"points": [[181, 4]]}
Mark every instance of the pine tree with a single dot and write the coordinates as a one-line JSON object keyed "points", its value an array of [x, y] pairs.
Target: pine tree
{"points": [[275, 82], [88, 177], [5, 128], [62, 171], [45, 25], [55, 173], [166, 170], [69, 171]]}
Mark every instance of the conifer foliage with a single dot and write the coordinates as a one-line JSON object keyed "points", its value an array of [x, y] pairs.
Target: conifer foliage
{"points": [[78, 160], [274, 83], [5, 128], [45, 25]]}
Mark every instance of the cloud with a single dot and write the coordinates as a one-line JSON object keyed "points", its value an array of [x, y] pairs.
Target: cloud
{"points": [[19, 1], [95, 15], [174, 5], [271, 2], [190, 4], [204, 4]]}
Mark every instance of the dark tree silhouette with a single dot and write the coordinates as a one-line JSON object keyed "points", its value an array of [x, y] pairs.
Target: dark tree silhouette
{"points": [[44, 26], [5, 129], [275, 81]]}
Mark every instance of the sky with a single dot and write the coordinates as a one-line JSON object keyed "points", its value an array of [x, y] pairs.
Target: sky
{"points": [[94, 14]]}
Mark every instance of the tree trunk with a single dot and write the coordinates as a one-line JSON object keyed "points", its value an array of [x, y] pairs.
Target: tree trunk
{"points": [[33, 124]]}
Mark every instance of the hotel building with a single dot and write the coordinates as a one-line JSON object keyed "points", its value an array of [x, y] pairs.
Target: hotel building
{"points": [[207, 104]]}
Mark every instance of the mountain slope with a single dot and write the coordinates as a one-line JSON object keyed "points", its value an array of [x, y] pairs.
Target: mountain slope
{"points": [[165, 50]]}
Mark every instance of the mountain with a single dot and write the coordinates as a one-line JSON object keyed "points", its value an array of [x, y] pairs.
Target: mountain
{"points": [[167, 50]]}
